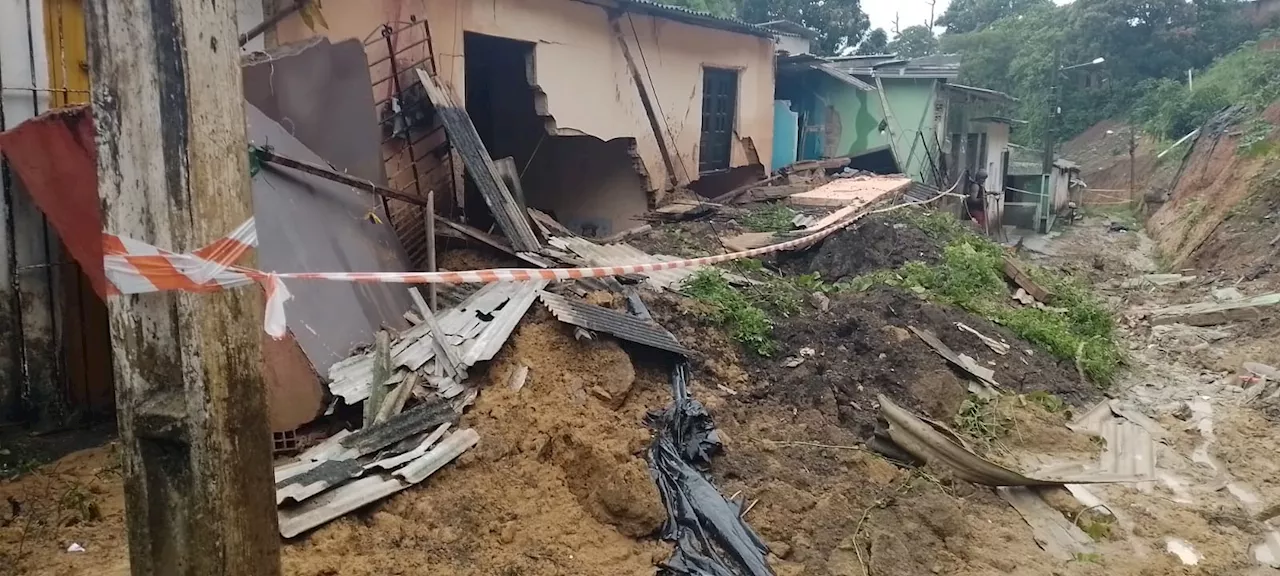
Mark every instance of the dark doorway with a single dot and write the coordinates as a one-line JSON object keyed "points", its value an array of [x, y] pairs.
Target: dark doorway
{"points": [[879, 161], [719, 108], [591, 186]]}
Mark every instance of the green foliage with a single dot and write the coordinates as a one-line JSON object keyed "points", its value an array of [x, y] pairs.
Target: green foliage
{"points": [[721, 8], [875, 42], [1088, 557], [964, 16], [981, 420], [774, 217], [747, 323], [1247, 77], [970, 275], [1050, 402], [839, 23], [914, 42], [1143, 42]]}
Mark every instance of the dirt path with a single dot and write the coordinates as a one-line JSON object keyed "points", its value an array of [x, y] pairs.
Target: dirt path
{"points": [[1217, 460]]}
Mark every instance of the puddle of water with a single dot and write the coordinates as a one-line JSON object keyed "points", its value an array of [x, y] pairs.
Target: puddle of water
{"points": [[1175, 485], [1179, 547], [1268, 552]]}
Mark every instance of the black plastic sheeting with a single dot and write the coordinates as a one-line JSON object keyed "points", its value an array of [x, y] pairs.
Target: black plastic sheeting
{"points": [[711, 537]]}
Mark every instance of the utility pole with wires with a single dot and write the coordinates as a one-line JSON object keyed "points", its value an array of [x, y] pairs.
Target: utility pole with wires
{"points": [[191, 407]]}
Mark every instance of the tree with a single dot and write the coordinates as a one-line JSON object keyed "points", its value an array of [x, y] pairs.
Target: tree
{"points": [[875, 42], [722, 8], [914, 41], [964, 16], [839, 23]]}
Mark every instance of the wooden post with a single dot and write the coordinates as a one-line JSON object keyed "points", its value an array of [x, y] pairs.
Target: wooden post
{"points": [[431, 246], [173, 172], [654, 124]]}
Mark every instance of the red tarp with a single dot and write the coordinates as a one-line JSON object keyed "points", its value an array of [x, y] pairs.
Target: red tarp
{"points": [[54, 158]]}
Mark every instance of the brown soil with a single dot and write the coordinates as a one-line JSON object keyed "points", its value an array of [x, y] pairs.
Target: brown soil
{"points": [[862, 348], [1104, 160], [879, 241], [1215, 187], [557, 485]]}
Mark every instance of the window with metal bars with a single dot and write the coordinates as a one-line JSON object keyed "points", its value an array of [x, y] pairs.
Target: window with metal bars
{"points": [[719, 108]]}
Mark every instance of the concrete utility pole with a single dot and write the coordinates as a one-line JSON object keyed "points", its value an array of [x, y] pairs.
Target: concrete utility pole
{"points": [[173, 172]]}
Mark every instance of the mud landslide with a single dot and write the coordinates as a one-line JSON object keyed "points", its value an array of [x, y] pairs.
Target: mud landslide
{"points": [[877, 242]]}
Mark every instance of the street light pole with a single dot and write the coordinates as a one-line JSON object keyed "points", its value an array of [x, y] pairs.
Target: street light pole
{"points": [[1052, 101]]}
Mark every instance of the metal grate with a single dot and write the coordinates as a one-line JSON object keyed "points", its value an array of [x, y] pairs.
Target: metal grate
{"points": [[415, 150]]}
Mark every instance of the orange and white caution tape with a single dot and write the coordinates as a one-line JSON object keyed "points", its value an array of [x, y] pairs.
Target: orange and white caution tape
{"points": [[135, 267]]}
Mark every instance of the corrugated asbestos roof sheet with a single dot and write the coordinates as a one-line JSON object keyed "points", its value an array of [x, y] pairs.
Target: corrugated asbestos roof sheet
{"points": [[944, 66], [479, 326], [619, 254], [625, 326], [694, 17], [982, 93]]}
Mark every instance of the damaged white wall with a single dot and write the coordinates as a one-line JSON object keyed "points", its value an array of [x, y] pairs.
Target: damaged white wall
{"points": [[580, 68]]}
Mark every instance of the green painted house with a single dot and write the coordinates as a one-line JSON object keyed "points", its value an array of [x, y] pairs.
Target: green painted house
{"points": [[890, 115]]}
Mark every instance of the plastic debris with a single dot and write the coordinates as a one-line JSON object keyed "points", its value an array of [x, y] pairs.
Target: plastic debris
{"points": [[75, 547], [710, 536]]}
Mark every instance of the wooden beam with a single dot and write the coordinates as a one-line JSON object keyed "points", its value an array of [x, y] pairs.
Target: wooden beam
{"points": [[191, 405], [271, 157], [654, 124], [1016, 272]]}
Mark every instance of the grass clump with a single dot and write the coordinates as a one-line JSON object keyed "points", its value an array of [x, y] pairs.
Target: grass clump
{"points": [[748, 312], [747, 323], [774, 217], [981, 420], [1076, 327]]}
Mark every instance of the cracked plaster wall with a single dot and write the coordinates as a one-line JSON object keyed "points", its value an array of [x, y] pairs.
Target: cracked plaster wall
{"points": [[581, 69]]}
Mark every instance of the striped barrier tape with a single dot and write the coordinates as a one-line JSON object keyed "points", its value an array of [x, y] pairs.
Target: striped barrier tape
{"points": [[135, 267]]}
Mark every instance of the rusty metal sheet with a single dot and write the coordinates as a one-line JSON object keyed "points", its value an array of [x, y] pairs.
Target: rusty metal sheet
{"points": [[308, 224]]}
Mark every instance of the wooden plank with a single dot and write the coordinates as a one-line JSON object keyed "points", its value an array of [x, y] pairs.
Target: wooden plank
{"points": [[654, 124], [381, 372], [1016, 272], [191, 404], [729, 196], [510, 214], [444, 351]]}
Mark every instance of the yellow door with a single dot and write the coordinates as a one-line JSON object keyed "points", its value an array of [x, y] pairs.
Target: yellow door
{"points": [[68, 55]]}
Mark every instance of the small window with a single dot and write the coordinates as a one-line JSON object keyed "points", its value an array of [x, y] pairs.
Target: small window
{"points": [[719, 107]]}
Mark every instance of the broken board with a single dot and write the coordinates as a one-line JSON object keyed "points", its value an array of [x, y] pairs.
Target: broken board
{"points": [[512, 217]]}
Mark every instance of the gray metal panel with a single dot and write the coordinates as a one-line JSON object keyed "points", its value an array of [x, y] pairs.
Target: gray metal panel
{"points": [[308, 224], [620, 324]]}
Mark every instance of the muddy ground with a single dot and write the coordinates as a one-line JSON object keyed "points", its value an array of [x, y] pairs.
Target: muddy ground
{"points": [[559, 485]]}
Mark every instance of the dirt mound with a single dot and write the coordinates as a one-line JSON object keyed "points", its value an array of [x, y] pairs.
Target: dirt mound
{"points": [[1220, 214], [862, 347], [879, 241], [557, 485]]}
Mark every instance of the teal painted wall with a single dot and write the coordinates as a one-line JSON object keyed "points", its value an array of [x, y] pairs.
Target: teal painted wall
{"points": [[911, 100], [849, 119], [785, 134]]}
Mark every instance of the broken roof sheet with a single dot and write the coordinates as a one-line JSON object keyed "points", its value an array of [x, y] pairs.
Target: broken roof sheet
{"points": [[620, 324], [694, 17], [789, 28], [479, 326], [621, 254], [986, 94], [941, 66]]}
